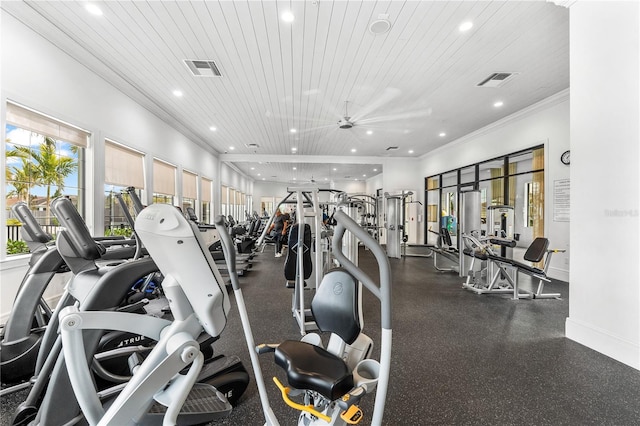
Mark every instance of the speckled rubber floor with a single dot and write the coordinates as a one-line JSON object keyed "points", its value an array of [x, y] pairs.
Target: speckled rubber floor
{"points": [[458, 358]]}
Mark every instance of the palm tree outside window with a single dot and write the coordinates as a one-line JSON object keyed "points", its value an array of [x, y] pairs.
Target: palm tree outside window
{"points": [[44, 160]]}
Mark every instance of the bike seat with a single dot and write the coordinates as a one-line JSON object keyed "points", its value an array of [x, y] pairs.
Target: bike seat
{"points": [[310, 367]]}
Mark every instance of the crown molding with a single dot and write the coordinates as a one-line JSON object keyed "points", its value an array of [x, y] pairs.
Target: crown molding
{"points": [[552, 100]]}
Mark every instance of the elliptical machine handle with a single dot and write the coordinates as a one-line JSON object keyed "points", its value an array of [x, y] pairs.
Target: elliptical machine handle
{"points": [[228, 250], [383, 291]]}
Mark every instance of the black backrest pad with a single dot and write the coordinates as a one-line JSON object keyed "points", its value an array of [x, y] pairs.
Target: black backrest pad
{"points": [[536, 250], [335, 305], [291, 262], [446, 236]]}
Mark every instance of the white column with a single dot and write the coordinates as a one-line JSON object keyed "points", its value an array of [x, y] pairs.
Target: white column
{"points": [[604, 301]]}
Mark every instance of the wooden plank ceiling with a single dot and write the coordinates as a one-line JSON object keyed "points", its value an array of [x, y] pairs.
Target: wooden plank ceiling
{"points": [[402, 88]]}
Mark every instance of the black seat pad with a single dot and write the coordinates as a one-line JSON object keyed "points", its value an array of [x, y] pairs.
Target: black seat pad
{"points": [[312, 367], [521, 266]]}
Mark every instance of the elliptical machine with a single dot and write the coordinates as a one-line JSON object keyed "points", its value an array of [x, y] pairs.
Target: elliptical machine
{"points": [[24, 330], [96, 288], [30, 314]]}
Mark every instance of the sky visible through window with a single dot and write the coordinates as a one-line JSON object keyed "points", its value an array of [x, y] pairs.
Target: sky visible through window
{"points": [[19, 137]]}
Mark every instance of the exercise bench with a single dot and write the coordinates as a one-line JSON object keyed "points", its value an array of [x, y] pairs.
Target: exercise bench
{"points": [[537, 251]]}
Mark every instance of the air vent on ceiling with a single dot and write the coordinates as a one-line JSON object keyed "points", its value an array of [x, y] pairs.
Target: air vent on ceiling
{"points": [[392, 148], [203, 68], [252, 145], [496, 79]]}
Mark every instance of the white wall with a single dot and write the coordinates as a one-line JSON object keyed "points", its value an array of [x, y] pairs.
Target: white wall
{"points": [[605, 183], [278, 190], [37, 74], [544, 123], [375, 183], [234, 179]]}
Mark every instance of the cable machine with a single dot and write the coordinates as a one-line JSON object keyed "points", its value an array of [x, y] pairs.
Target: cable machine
{"points": [[308, 213], [394, 225]]}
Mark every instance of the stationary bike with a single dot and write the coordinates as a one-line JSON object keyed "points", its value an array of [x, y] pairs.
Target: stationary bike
{"points": [[330, 382]]}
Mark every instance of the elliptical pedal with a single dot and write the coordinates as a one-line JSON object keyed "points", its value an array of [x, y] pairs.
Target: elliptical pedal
{"points": [[204, 404]]}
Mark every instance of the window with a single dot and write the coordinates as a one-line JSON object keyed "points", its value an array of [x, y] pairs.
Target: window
{"points": [[189, 191], [498, 180], [124, 168], [266, 206], [205, 197], [232, 203], [249, 204], [164, 182], [44, 160], [224, 199]]}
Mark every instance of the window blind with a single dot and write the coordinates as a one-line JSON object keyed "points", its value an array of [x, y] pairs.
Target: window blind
{"points": [[164, 178], [31, 120], [207, 187], [189, 185], [224, 194], [123, 166]]}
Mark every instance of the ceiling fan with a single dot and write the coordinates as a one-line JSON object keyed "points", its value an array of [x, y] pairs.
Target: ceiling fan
{"points": [[362, 117], [345, 122], [393, 120]]}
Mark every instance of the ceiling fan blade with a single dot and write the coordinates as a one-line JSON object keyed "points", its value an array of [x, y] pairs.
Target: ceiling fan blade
{"points": [[425, 113], [354, 136], [313, 129], [382, 128], [387, 96], [295, 118]]}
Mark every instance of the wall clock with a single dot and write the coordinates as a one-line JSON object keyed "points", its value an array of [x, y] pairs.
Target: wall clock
{"points": [[565, 157]]}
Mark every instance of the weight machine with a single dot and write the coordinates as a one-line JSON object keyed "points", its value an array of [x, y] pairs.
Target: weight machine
{"points": [[308, 213], [395, 222]]}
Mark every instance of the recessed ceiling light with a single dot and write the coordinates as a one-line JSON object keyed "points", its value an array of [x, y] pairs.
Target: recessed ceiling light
{"points": [[410, 151], [364, 175], [353, 150], [294, 149], [287, 16], [253, 168], [442, 134], [259, 174], [263, 178], [294, 178], [465, 26], [498, 104], [295, 168], [93, 9], [326, 178], [375, 170], [213, 128], [293, 130], [369, 132], [232, 148], [334, 169], [177, 93]]}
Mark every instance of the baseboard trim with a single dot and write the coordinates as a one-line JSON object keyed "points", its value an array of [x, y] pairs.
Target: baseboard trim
{"points": [[558, 274], [602, 341]]}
